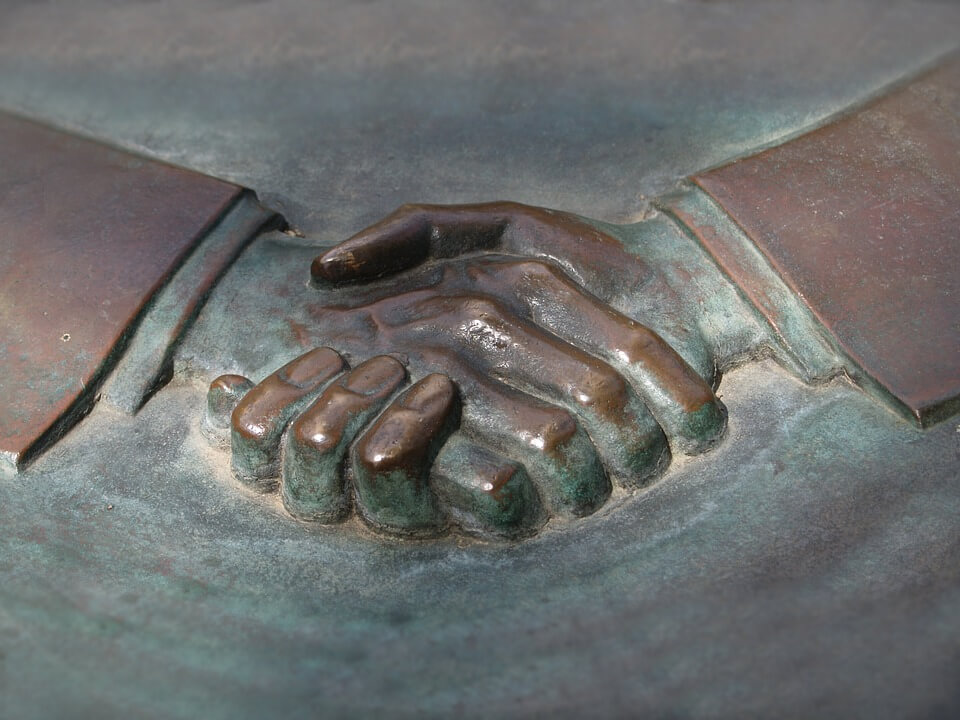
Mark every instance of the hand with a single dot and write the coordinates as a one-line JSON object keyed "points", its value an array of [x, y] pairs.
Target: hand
{"points": [[657, 278], [407, 475], [493, 315], [559, 391]]}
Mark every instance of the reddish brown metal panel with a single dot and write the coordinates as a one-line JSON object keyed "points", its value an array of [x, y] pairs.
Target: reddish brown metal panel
{"points": [[87, 235], [862, 219]]}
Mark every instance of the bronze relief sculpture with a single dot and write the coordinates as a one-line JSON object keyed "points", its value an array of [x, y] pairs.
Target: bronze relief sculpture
{"points": [[534, 344], [554, 394], [683, 446]]}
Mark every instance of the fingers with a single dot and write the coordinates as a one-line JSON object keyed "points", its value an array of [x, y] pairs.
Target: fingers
{"points": [[521, 354], [391, 461], [259, 419], [313, 485], [485, 493], [546, 439], [679, 398], [538, 436], [414, 233], [401, 240], [409, 236], [222, 397]]}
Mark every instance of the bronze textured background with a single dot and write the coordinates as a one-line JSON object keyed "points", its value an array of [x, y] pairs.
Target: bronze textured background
{"points": [[337, 112]]}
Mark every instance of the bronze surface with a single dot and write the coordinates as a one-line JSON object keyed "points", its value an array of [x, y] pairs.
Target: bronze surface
{"points": [[401, 437], [323, 424], [260, 418], [534, 287], [562, 394], [87, 236], [861, 219], [808, 566]]}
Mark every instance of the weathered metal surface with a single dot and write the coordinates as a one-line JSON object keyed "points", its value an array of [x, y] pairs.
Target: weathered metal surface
{"points": [[807, 567], [806, 349], [337, 112], [147, 362], [87, 235], [564, 396], [861, 218]]}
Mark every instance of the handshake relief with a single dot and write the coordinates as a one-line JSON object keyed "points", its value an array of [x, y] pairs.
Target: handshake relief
{"points": [[492, 386]]}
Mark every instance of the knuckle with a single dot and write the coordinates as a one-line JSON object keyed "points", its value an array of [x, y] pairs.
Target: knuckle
{"points": [[544, 269], [409, 209], [483, 309], [479, 306], [600, 385], [373, 457], [555, 430]]}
